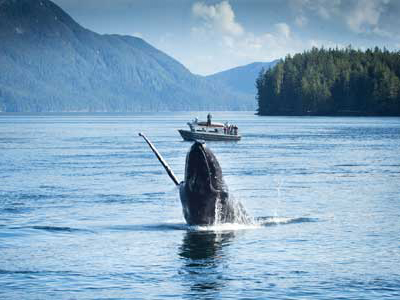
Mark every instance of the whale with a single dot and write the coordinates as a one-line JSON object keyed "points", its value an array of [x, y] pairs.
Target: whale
{"points": [[203, 193]]}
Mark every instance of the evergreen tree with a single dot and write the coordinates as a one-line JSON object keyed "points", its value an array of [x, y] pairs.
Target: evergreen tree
{"points": [[332, 82]]}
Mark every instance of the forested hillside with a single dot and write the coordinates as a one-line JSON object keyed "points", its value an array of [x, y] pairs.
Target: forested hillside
{"points": [[49, 63], [332, 82]]}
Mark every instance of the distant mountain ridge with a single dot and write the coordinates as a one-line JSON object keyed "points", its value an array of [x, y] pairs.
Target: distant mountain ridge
{"points": [[50, 63], [243, 79]]}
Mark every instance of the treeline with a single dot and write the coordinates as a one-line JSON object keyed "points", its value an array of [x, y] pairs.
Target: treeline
{"points": [[332, 82]]}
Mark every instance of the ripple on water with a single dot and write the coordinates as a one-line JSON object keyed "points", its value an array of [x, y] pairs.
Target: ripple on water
{"points": [[86, 211], [54, 229]]}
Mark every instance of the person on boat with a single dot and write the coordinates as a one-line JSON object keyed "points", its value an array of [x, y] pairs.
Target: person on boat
{"points": [[209, 116]]}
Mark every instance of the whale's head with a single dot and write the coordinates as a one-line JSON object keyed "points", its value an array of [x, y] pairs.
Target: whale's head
{"points": [[203, 185], [203, 173]]}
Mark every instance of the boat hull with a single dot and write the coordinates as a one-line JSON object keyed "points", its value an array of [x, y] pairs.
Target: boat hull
{"points": [[207, 136]]}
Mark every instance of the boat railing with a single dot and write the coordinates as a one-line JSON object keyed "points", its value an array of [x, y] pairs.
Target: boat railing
{"points": [[227, 129]]}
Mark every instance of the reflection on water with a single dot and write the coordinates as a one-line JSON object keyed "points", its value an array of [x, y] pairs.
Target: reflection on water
{"points": [[204, 261]]}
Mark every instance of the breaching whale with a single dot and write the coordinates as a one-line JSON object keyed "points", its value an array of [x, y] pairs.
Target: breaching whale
{"points": [[203, 193]]}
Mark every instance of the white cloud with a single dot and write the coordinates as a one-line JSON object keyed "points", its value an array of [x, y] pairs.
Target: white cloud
{"points": [[366, 15], [325, 9], [229, 49], [264, 47], [301, 21], [228, 41], [218, 17], [283, 29], [359, 16], [231, 44]]}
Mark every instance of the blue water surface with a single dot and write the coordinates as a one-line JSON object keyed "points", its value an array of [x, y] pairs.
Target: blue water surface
{"points": [[87, 212]]}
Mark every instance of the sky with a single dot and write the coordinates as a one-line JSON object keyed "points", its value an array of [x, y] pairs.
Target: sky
{"points": [[212, 36]]}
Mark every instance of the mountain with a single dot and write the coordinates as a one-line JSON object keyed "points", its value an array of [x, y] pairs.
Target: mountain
{"points": [[51, 63], [242, 79]]}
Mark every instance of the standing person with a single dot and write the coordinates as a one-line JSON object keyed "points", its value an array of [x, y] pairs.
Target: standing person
{"points": [[209, 116]]}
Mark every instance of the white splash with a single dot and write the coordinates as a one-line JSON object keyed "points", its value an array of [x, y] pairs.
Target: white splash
{"points": [[279, 182], [225, 227], [218, 211], [19, 30], [252, 223]]}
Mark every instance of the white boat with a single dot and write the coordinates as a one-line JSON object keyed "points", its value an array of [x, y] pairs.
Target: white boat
{"points": [[210, 131]]}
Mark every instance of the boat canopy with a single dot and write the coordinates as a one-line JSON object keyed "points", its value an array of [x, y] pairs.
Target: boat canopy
{"points": [[214, 124]]}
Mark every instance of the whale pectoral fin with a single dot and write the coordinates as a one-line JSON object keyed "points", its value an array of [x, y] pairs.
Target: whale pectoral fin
{"points": [[161, 159]]}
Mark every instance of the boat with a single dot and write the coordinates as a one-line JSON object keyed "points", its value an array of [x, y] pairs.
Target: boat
{"points": [[210, 131]]}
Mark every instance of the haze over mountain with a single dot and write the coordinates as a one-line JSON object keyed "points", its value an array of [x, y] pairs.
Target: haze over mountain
{"points": [[243, 79], [50, 63]]}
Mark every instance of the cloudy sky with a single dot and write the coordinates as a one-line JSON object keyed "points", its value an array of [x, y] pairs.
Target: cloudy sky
{"points": [[211, 36]]}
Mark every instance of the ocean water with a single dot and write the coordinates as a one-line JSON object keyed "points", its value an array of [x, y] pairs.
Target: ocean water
{"points": [[87, 212]]}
